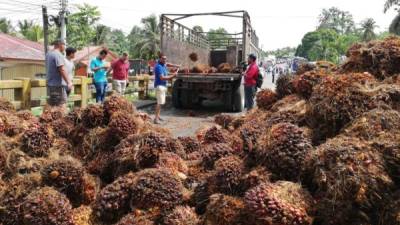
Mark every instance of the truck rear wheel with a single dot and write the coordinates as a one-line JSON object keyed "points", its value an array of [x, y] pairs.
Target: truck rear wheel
{"points": [[176, 94], [238, 99]]}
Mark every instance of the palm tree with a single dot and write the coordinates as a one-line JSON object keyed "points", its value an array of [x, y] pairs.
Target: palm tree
{"points": [[6, 26], [149, 43], [390, 3], [24, 26], [102, 34], [367, 27]]}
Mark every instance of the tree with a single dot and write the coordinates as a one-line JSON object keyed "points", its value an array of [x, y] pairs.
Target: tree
{"points": [[340, 21], [198, 29], [102, 35], [6, 26], [30, 30], [118, 42], [133, 39], [81, 26], [390, 3], [149, 43], [282, 52], [217, 37], [368, 29]]}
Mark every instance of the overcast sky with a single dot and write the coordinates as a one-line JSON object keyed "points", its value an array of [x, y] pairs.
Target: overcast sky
{"points": [[278, 23]]}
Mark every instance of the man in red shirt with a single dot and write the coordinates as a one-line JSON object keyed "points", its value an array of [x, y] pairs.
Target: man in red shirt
{"points": [[250, 81], [120, 70]]}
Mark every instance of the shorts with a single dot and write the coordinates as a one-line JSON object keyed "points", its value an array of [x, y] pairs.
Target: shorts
{"points": [[57, 95], [119, 86], [161, 94]]}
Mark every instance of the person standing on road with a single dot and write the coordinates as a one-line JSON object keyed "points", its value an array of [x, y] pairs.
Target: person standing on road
{"points": [[160, 83], [69, 64], [120, 70], [58, 83], [99, 68], [250, 81]]}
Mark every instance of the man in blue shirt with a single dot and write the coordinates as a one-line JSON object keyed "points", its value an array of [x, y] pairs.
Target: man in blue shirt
{"points": [[160, 83], [98, 66]]}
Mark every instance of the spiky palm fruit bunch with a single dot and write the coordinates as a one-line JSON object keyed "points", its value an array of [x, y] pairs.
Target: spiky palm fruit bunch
{"points": [[283, 203], [346, 169], [266, 98], [391, 215], [305, 67], [65, 175], [62, 147], [6, 105], [156, 188], [283, 150], [250, 134], [62, 128], [336, 101], [82, 215], [93, 143], [304, 84], [132, 219], [224, 68], [389, 145], [75, 116], [93, 116], [27, 116], [373, 123], [218, 135], [214, 152], [11, 125], [284, 85], [122, 125], [223, 120], [116, 103], [17, 189], [255, 177], [37, 141], [175, 146], [377, 57], [77, 135], [51, 114], [224, 209], [173, 162], [46, 206], [189, 144], [200, 68], [19, 163], [193, 56], [182, 215], [227, 175], [112, 202], [90, 188]]}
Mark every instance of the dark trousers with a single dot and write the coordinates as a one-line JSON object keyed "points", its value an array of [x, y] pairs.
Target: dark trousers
{"points": [[101, 88], [249, 93]]}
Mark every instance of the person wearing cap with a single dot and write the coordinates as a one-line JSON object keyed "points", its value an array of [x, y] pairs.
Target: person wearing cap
{"points": [[58, 82], [160, 83], [250, 81]]}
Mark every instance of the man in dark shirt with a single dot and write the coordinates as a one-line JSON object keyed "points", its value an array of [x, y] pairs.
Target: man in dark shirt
{"points": [[160, 83], [120, 70]]}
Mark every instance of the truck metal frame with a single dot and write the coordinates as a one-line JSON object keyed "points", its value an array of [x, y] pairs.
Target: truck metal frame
{"points": [[178, 41]]}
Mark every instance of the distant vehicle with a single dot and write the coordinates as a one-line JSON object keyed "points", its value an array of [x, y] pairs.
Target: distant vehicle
{"points": [[190, 89]]}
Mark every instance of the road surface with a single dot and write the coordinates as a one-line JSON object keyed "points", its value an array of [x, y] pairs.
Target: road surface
{"points": [[187, 122]]}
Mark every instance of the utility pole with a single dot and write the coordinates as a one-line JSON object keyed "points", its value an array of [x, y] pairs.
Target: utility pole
{"points": [[45, 28], [63, 26]]}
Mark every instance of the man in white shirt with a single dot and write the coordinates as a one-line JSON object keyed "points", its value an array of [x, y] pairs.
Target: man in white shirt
{"points": [[69, 63]]}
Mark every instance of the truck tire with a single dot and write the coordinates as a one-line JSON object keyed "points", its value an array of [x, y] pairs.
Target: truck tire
{"points": [[238, 99], [176, 94], [186, 99]]}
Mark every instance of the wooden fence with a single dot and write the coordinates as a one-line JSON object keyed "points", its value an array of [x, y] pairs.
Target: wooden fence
{"points": [[23, 88]]}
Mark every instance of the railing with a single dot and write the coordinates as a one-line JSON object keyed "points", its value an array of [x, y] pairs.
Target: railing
{"points": [[82, 94]]}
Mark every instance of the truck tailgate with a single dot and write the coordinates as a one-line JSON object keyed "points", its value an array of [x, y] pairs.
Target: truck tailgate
{"points": [[198, 77]]}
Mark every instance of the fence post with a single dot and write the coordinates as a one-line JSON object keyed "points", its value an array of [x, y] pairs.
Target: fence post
{"points": [[142, 88], [84, 92], [24, 94]]}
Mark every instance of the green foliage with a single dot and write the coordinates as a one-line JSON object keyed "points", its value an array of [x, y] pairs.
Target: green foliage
{"points": [[215, 36], [368, 29], [6, 26], [118, 42], [30, 30], [102, 36], [282, 52], [335, 19], [391, 3], [81, 25]]}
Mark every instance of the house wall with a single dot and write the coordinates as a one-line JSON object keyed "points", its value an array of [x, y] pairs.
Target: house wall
{"points": [[22, 70]]}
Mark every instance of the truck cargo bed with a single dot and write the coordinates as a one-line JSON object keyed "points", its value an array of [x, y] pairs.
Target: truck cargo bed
{"points": [[199, 77]]}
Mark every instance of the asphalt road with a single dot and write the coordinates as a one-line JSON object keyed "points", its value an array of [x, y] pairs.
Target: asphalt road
{"points": [[187, 122]]}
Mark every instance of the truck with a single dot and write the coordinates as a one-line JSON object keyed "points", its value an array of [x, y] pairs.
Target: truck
{"points": [[189, 90]]}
